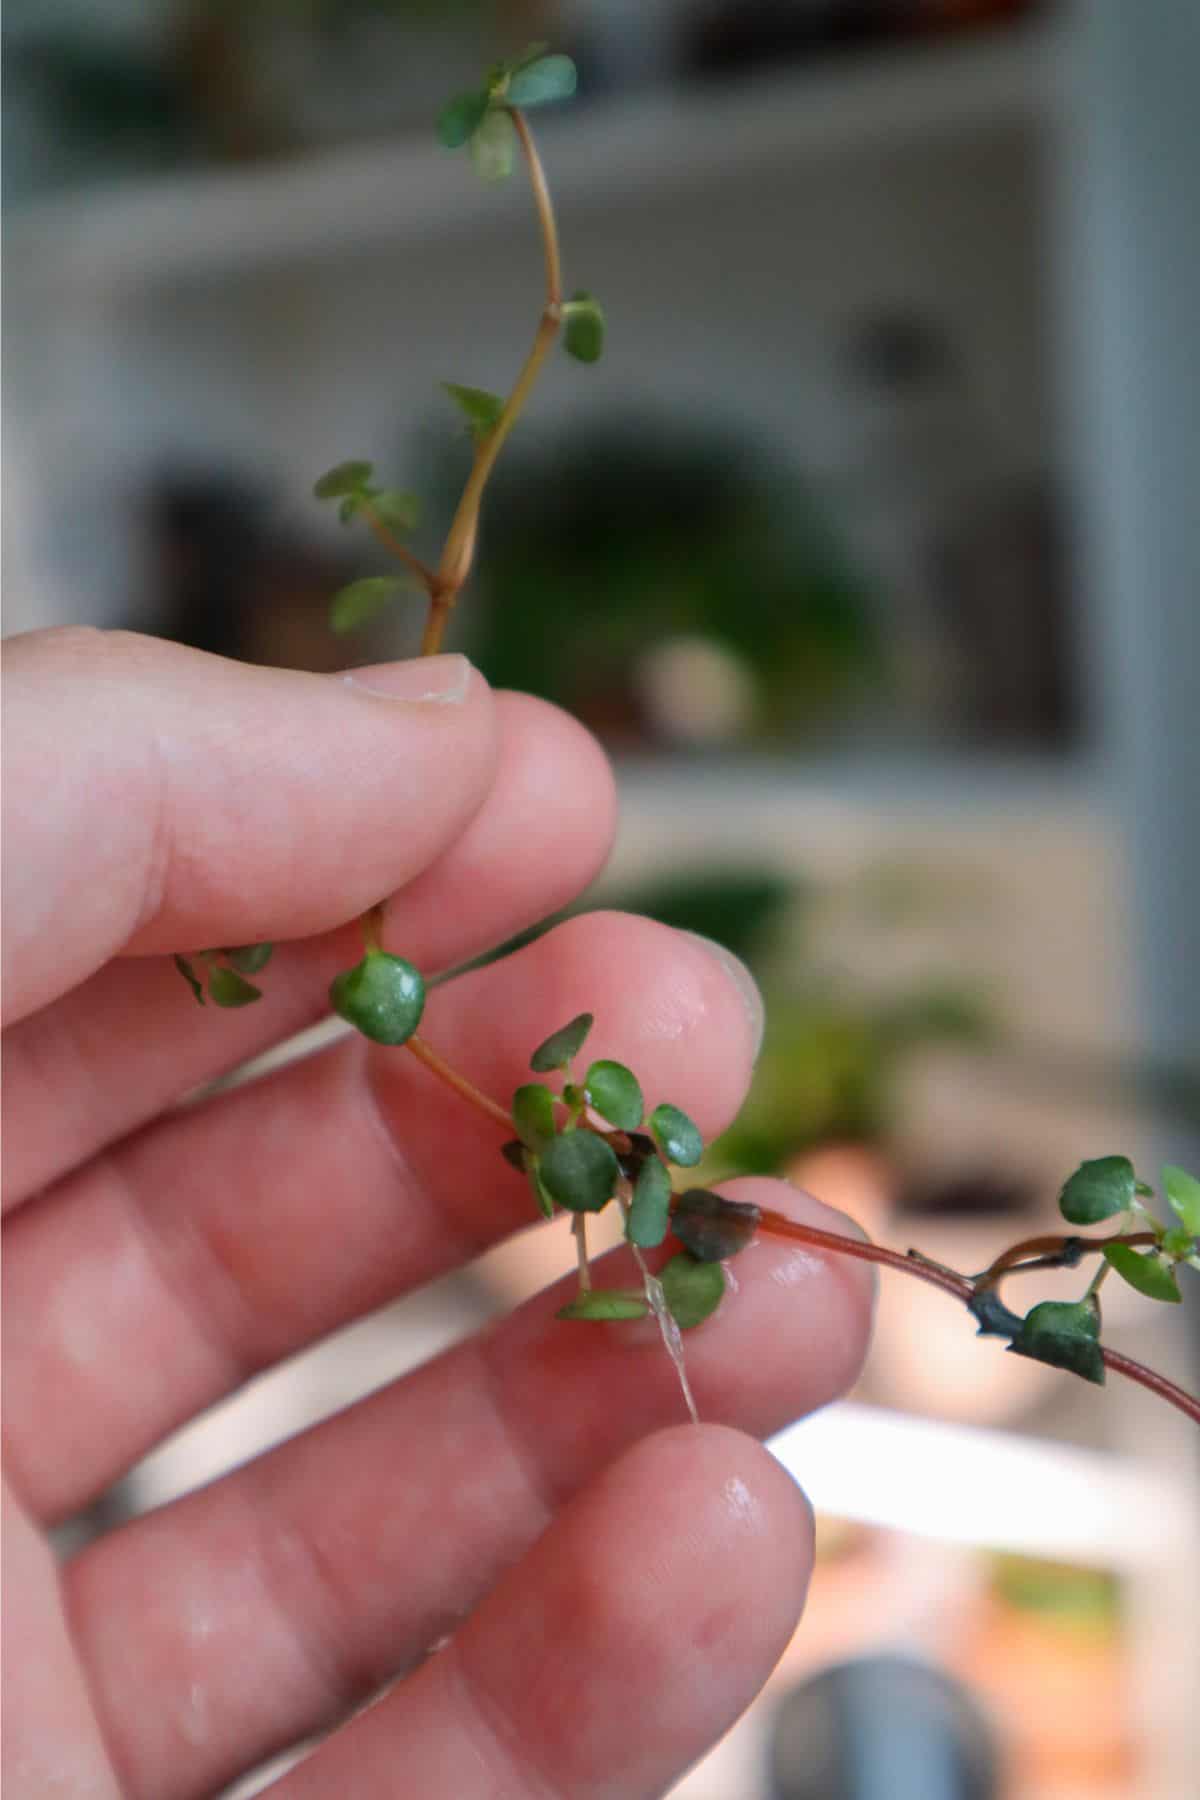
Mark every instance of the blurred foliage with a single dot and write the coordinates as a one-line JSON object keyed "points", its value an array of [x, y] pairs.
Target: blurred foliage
{"points": [[833, 1050], [1061, 1591], [829, 1065], [740, 908], [610, 540]]}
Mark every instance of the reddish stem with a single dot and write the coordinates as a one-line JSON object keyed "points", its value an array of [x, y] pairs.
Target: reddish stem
{"points": [[775, 1224]]}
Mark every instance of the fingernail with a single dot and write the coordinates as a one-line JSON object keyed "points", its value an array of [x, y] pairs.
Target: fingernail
{"points": [[743, 981], [428, 680]]}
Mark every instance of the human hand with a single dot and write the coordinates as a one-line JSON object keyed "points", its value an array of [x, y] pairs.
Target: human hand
{"points": [[616, 1591]]}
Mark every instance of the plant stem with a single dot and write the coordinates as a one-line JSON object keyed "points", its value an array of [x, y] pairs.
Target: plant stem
{"points": [[425, 575], [579, 1233], [1016, 1254], [1188, 1404], [436, 1065], [459, 551], [775, 1224]]}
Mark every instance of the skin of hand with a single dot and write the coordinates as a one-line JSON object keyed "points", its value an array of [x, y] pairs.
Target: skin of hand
{"points": [[614, 1585]]}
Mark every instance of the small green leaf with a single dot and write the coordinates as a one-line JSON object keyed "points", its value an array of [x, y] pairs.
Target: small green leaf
{"points": [[480, 409], [382, 996], [692, 1289], [1097, 1190], [494, 146], [189, 975], [248, 959], [650, 1209], [343, 479], [712, 1228], [614, 1092], [348, 508], [545, 79], [400, 511], [228, 988], [1183, 1196], [677, 1138], [558, 1049], [579, 1171], [514, 1152], [355, 604], [461, 118], [1178, 1243], [543, 1196], [584, 324], [1065, 1334], [533, 1114], [1148, 1274], [606, 1304]]}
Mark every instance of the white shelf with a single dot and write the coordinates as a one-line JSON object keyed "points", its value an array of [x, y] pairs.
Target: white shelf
{"points": [[326, 204]]}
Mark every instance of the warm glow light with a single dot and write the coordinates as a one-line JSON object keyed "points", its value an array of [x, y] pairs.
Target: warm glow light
{"points": [[967, 1486]]}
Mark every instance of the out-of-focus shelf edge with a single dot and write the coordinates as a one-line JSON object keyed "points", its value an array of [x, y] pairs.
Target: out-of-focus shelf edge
{"points": [[947, 782], [329, 203]]}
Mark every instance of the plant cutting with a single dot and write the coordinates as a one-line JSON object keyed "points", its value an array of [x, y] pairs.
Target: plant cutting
{"points": [[583, 1135]]}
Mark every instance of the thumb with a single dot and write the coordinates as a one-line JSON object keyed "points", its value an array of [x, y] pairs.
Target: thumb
{"points": [[157, 798]]}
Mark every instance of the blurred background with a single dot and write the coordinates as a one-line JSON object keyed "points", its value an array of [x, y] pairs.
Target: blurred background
{"points": [[872, 553]]}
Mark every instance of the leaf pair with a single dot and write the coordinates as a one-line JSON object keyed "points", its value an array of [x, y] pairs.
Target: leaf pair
{"points": [[225, 978], [349, 483], [1108, 1186], [482, 119]]}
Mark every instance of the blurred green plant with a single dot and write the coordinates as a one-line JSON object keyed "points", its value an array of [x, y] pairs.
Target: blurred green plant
{"points": [[662, 531]]}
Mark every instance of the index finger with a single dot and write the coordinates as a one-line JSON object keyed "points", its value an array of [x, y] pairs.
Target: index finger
{"points": [[158, 798]]}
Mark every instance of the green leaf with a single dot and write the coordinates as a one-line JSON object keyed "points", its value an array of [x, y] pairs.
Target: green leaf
{"points": [[545, 1200], [558, 1049], [650, 1209], [398, 510], [676, 1136], [248, 959], [190, 976], [1179, 1243], [461, 118], [382, 996], [1148, 1274], [480, 409], [494, 146], [533, 1114], [343, 479], [614, 1092], [228, 988], [579, 1171], [348, 508], [1097, 1190], [353, 605], [605, 1303], [584, 328], [712, 1228], [692, 1289], [1065, 1334], [1183, 1196], [543, 80]]}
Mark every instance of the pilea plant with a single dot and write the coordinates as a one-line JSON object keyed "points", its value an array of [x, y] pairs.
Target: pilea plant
{"points": [[587, 1142]]}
